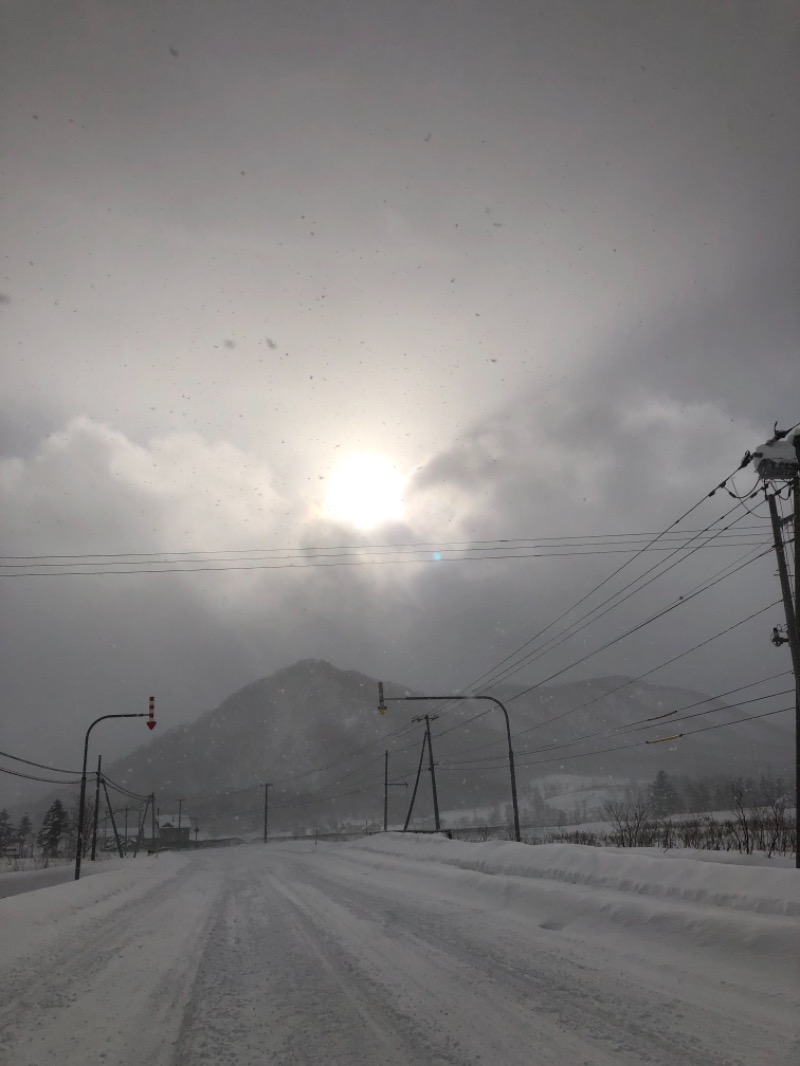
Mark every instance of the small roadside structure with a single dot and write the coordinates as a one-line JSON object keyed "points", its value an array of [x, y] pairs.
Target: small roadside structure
{"points": [[174, 831]]}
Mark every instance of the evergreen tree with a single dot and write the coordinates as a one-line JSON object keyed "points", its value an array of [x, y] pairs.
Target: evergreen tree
{"points": [[663, 795], [698, 796], [24, 830], [7, 833], [54, 825], [770, 790]]}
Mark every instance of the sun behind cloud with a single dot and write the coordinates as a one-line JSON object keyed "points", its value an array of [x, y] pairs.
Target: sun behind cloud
{"points": [[365, 490]]}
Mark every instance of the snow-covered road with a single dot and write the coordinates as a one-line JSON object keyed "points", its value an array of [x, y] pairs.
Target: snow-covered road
{"points": [[398, 951]]}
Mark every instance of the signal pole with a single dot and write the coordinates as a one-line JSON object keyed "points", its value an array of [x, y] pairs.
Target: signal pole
{"points": [[382, 700], [151, 724]]}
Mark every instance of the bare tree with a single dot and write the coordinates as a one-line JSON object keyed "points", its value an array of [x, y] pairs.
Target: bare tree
{"points": [[628, 820], [741, 829]]}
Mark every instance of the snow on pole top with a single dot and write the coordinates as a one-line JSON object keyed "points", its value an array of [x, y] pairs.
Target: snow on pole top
{"points": [[779, 458]]}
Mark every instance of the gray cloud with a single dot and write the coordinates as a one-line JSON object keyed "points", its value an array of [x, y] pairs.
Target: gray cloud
{"points": [[541, 260]]}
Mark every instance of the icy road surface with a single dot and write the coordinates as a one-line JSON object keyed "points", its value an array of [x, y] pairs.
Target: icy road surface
{"points": [[404, 951]]}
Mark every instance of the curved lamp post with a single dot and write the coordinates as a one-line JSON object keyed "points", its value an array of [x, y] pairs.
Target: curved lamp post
{"points": [[151, 724], [382, 700]]}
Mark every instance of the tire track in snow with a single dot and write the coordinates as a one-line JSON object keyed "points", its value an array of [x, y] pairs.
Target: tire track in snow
{"points": [[269, 986], [291, 977], [603, 996]]}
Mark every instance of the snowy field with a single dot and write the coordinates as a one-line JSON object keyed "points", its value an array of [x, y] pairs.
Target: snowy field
{"points": [[394, 950]]}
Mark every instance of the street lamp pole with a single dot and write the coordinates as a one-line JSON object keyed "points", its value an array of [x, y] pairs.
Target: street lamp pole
{"points": [[79, 841], [383, 700]]}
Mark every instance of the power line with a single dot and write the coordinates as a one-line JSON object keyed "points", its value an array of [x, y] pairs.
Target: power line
{"points": [[497, 673], [628, 747], [38, 765], [341, 555], [581, 623], [704, 586], [633, 727], [484, 545], [31, 777], [653, 618], [619, 688], [121, 788], [312, 565], [660, 666]]}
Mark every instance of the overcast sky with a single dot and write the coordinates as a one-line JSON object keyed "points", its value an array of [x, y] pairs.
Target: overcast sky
{"points": [[537, 262]]}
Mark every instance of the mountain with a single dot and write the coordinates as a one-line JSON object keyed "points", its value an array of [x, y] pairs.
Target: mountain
{"points": [[313, 731]]}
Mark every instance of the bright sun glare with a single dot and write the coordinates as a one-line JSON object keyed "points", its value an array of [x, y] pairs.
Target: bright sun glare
{"points": [[365, 490]]}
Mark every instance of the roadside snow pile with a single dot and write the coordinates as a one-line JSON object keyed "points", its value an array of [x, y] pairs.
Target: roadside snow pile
{"points": [[28, 918], [765, 890], [27, 879]]}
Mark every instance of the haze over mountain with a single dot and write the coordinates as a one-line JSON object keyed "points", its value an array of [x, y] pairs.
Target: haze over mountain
{"points": [[314, 732]]}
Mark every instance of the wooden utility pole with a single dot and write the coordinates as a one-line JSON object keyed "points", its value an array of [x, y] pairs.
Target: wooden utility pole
{"points": [[428, 718], [790, 606], [266, 810], [96, 809], [387, 784], [113, 823], [796, 490], [416, 782], [140, 830]]}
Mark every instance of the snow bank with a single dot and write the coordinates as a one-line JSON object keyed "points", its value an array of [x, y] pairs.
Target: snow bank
{"points": [[670, 875], [28, 919], [28, 879]]}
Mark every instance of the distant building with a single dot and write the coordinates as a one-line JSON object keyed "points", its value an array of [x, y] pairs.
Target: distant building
{"points": [[173, 835]]}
